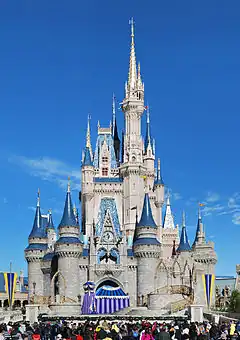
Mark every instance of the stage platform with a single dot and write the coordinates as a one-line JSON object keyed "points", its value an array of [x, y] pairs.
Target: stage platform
{"points": [[112, 318]]}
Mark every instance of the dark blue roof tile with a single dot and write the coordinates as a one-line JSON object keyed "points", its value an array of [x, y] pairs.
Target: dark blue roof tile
{"points": [[50, 224], [184, 243], [38, 230], [68, 218], [108, 179], [146, 241], [36, 246], [147, 217], [48, 257], [70, 240], [87, 159]]}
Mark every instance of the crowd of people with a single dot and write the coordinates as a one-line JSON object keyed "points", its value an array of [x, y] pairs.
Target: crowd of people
{"points": [[104, 330]]}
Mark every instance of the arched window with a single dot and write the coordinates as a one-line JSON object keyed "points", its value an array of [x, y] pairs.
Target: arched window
{"points": [[114, 253], [101, 255]]}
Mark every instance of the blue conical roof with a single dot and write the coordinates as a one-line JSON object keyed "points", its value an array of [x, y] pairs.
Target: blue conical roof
{"points": [[148, 139], [50, 224], [68, 218], [184, 243], [147, 217], [199, 222], [87, 159], [37, 229]]}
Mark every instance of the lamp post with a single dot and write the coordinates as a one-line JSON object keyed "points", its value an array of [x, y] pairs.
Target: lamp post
{"points": [[34, 291]]}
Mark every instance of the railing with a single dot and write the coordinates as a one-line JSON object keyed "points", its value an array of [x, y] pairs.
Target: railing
{"points": [[179, 305], [175, 289]]}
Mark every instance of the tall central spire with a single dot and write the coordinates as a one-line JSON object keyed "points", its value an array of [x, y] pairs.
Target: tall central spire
{"points": [[132, 74]]}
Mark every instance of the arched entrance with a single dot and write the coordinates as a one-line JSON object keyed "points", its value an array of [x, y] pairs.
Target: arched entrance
{"points": [[110, 296]]}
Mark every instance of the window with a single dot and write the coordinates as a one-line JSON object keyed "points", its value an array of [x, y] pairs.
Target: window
{"points": [[105, 159], [104, 171]]}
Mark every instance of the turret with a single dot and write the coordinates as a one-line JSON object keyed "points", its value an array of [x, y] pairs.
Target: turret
{"points": [[184, 245], [146, 248], [68, 248], [36, 249], [51, 232], [87, 177], [159, 192], [205, 260], [149, 155], [200, 235], [169, 232]]}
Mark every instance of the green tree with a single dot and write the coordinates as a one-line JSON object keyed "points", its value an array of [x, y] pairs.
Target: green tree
{"points": [[234, 303]]}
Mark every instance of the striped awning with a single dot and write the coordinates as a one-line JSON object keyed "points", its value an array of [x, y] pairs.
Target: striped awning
{"points": [[110, 292]]}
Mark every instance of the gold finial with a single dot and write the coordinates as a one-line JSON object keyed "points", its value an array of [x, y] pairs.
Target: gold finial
{"points": [[68, 187]]}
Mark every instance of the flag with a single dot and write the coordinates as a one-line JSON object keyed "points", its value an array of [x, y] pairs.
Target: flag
{"points": [[10, 284], [208, 284]]}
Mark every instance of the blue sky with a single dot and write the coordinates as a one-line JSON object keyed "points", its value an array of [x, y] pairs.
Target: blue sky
{"points": [[61, 60]]}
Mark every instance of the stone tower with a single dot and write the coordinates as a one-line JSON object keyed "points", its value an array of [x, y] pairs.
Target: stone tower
{"points": [[34, 253], [133, 169], [147, 249], [205, 260], [68, 249]]}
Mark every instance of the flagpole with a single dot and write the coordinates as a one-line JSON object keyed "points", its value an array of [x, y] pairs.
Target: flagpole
{"points": [[10, 286]]}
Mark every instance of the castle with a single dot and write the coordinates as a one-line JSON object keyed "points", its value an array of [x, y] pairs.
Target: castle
{"points": [[122, 246]]}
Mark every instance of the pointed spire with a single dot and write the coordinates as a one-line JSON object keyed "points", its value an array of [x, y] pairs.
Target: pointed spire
{"points": [[159, 177], [147, 217], [68, 218], [37, 230], [88, 136], [200, 236], [168, 218], [148, 139], [113, 113], [50, 224], [132, 74], [184, 243]]}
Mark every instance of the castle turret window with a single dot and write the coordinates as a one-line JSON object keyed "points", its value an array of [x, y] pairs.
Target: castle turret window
{"points": [[105, 159], [104, 171]]}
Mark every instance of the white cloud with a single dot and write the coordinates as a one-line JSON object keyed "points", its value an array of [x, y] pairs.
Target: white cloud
{"points": [[49, 169], [208, 210], [5, 200], [212, 197], [236, 218], [176, 196]]}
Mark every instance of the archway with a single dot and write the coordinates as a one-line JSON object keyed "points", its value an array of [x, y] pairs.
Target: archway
{"points": [[57, 280], [110, 281]]}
